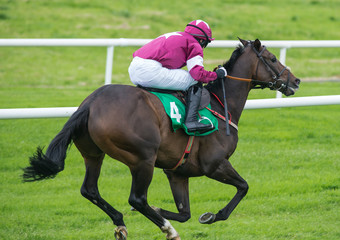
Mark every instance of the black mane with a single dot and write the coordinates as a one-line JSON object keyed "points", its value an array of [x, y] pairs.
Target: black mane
{"points": [[234, 56], [228, 65]]}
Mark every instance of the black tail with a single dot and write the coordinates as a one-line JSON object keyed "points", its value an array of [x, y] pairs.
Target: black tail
{"points": [[43, 166]]}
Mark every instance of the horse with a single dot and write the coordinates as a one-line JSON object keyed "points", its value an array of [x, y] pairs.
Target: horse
{"points": [[129, 124]]}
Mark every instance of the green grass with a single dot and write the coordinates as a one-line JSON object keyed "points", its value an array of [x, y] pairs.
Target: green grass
{"points": [[289, 156]]}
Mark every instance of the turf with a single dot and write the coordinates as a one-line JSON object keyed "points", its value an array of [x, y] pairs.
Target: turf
{"points": [[289, 156]]}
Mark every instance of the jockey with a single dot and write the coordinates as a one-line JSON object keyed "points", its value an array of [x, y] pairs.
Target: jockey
{"points": [[158, 65]]}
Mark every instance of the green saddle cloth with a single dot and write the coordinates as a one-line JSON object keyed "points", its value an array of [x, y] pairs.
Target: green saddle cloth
{"points": [[176, 111]]}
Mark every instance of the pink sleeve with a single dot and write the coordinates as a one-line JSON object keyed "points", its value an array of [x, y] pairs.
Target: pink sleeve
{"points": [[200, 74], [195, 64]]}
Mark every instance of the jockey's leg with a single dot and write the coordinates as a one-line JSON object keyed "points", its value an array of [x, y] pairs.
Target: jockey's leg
{"points": [[193, 102], [150, 73]]}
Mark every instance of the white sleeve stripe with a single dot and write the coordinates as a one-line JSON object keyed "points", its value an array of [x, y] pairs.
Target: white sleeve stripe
{"points": [[192, 62]]}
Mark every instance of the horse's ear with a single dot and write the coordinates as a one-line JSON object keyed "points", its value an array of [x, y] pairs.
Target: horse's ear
{"points": [[257, 44], [244, 42]]}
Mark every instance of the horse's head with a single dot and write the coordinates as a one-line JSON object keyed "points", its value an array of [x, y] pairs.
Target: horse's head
{"points": [[269, 71]]}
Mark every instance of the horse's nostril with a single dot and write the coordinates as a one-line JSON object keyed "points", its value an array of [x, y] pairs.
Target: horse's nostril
{"points": [[297, 81]]}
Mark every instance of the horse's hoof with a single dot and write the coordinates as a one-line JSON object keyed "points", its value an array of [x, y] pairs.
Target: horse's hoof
{"points": [[133, 209], [207, 218], [121, 233], [176, 238]]}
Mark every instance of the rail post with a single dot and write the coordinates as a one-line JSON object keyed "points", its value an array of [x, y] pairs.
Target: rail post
{"points": [[109, 64], [283, 52]]}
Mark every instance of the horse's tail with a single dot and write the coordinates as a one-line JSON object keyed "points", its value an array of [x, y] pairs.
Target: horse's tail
{"points": [[43, 166]]}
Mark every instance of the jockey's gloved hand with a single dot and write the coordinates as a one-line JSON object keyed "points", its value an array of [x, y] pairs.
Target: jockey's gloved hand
{"points": [[221, 72]]}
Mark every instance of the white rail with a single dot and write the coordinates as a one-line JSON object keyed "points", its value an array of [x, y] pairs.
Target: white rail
{"points": [[124, 42], [18, 113], [293, 102]]}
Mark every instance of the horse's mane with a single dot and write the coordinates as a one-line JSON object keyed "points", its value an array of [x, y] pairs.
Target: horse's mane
{"points": [[228, 65], [234, 56]]}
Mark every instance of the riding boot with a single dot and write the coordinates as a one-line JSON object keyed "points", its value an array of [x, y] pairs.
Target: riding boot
{"points": [[193, 102]]}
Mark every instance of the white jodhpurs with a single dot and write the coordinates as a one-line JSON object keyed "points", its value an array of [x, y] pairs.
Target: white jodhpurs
{"points": [[150, 73]]}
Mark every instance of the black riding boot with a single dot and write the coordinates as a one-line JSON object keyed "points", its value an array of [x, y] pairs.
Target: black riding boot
{"points": [[193, 103]]}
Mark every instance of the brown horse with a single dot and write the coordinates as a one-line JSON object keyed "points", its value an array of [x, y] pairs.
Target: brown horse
{"points": [[130, 125]]}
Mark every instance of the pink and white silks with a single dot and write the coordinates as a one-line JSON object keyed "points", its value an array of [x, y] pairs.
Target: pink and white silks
{"points": [[158, 63]]}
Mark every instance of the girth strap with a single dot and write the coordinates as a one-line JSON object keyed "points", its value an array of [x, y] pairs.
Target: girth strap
{"points": [[186, 153]]}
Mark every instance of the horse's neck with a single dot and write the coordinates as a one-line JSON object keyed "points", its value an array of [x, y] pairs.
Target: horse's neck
{"points": [[237, 92], [236, 99]]}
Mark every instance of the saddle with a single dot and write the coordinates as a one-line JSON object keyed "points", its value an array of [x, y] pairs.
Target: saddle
{"points": [[181, 95]]}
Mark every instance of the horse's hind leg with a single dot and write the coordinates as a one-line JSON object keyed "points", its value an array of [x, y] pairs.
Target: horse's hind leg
{"points": [[225, 173], [90, 191]]}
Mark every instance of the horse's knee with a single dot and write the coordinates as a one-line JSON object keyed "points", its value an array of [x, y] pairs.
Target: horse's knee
{"points": [[84, 192], [184, 217], [88, 194], [137, 202], [243, 188]]}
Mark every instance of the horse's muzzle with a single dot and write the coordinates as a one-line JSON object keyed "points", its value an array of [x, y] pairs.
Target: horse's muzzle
{"points": [[292, 87]]}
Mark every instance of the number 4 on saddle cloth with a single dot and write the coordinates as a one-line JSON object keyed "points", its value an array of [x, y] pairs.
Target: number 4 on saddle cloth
{"points": [[176, 111]]}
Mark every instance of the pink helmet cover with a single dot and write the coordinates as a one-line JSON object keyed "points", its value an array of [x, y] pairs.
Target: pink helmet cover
{"points": [[197, 32]]}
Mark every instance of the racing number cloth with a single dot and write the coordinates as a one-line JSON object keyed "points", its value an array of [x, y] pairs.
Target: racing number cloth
{"points": [[176, 111]]}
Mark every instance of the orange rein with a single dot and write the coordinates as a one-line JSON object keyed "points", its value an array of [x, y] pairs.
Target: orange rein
{"points": [[239, 79], [256, 82]]}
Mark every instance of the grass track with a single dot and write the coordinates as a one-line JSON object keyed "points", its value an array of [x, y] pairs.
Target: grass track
{"points": [[289, 156]]}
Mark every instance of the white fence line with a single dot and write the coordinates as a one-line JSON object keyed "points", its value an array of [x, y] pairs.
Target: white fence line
{"points": [[293, 102], [124, 42], [20, 113]]}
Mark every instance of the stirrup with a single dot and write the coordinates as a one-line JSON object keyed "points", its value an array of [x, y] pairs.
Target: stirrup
{"points": [[198, 127]]}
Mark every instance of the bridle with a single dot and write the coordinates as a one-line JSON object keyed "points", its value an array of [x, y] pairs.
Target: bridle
{"points": [[277, 83]]}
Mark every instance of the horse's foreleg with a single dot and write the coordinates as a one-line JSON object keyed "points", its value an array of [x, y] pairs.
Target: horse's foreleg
{"points": [[90, 191], [225, 173], [180, 191], [141, 179]]}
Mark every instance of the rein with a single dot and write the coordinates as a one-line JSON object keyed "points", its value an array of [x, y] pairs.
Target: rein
{"points": [[262, 84]]}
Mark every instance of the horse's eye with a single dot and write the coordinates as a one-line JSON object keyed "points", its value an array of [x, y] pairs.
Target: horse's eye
{"points": [[273, 59]]}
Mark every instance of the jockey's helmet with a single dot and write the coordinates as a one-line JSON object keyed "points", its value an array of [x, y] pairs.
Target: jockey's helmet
{"points": [[200, 30]]}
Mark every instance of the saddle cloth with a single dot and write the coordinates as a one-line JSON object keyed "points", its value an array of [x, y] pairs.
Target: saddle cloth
{"points": [[175, 109], [205, 98]]}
